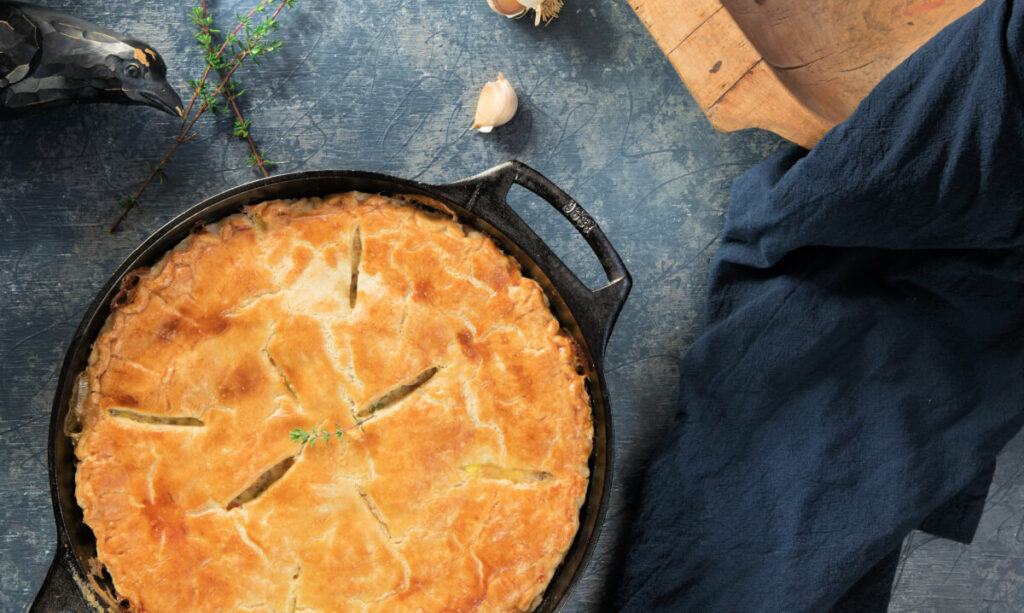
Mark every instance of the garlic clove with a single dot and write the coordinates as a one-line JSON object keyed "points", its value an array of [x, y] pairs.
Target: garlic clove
{"points": [[496, 106], [507, 8]]}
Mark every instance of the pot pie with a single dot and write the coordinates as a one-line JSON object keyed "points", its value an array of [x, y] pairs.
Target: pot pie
{"points": [[465, 423]]}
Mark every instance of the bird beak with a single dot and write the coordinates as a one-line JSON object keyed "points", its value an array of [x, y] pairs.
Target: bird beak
{"points": [[165, 99]]}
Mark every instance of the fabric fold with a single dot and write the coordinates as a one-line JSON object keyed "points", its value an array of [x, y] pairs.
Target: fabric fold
{"points": [[863, 356]]}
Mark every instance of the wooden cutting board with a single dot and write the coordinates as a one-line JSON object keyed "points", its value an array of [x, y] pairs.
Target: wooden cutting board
{"points": [[795, 67]]}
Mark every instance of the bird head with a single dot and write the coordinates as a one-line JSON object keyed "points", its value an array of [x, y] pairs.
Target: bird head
{"points": [[59, 59], [142, 76]]}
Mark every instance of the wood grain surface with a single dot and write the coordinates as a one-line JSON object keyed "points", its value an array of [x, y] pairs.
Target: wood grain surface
{"points": [[796, 67]]}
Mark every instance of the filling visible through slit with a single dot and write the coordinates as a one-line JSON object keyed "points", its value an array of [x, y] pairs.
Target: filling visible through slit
{"points": [[357, 254], [396, 394], [156, 420], [515, 475], [261, 483]]}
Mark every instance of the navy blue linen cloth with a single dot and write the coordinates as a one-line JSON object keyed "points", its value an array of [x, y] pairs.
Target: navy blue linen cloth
{"points": [[863, 360]]}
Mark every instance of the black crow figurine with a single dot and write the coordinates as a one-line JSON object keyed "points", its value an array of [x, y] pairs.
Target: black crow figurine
{"points": [[49, 59]]}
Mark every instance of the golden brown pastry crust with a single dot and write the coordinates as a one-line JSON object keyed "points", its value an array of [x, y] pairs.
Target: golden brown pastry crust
{"points": [[464, 495]]}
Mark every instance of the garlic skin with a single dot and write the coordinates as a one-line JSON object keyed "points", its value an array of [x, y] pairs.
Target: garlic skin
{"points": [[496, 106], [507, 8]]}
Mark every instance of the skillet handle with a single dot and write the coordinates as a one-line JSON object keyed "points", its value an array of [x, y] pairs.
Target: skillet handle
{"points": [[596, 311], [60, 592]]}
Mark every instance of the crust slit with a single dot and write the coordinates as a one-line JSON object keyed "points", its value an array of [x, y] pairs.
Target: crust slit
{"points": [[396, 394], [357, 254], [156, 420], [262, 483], [504, 473], [280, 371], [293, 596], [375, 511]]}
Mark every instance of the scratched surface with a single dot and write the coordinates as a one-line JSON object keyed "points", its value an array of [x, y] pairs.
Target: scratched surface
{"points": [[390, 86]]}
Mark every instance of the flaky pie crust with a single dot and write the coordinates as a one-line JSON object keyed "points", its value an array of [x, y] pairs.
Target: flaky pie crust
{"points": [[463, 495]]}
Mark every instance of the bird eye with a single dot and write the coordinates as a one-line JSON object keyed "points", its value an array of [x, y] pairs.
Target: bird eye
{"points": [[132, 71]]}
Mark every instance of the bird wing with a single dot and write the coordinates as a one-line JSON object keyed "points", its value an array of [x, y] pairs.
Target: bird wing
{"points": [[19, 44]]}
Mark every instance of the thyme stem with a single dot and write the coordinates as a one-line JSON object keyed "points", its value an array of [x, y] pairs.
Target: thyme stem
{"points": [[230, 96], [253, 45]]}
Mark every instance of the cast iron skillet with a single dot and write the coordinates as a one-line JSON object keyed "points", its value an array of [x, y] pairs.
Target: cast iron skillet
{"points": [[76, 581]]}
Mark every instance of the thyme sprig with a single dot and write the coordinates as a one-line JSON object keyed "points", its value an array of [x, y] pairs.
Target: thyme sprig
{"points": [[314, 434], [248, 40]]}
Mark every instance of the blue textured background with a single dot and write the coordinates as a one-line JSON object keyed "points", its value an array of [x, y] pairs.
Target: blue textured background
{"points": [[390, 86]]}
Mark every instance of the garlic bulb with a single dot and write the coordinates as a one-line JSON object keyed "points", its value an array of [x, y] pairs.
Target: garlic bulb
{"points": [[496, 106], [546, 10], [507, 8]]}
